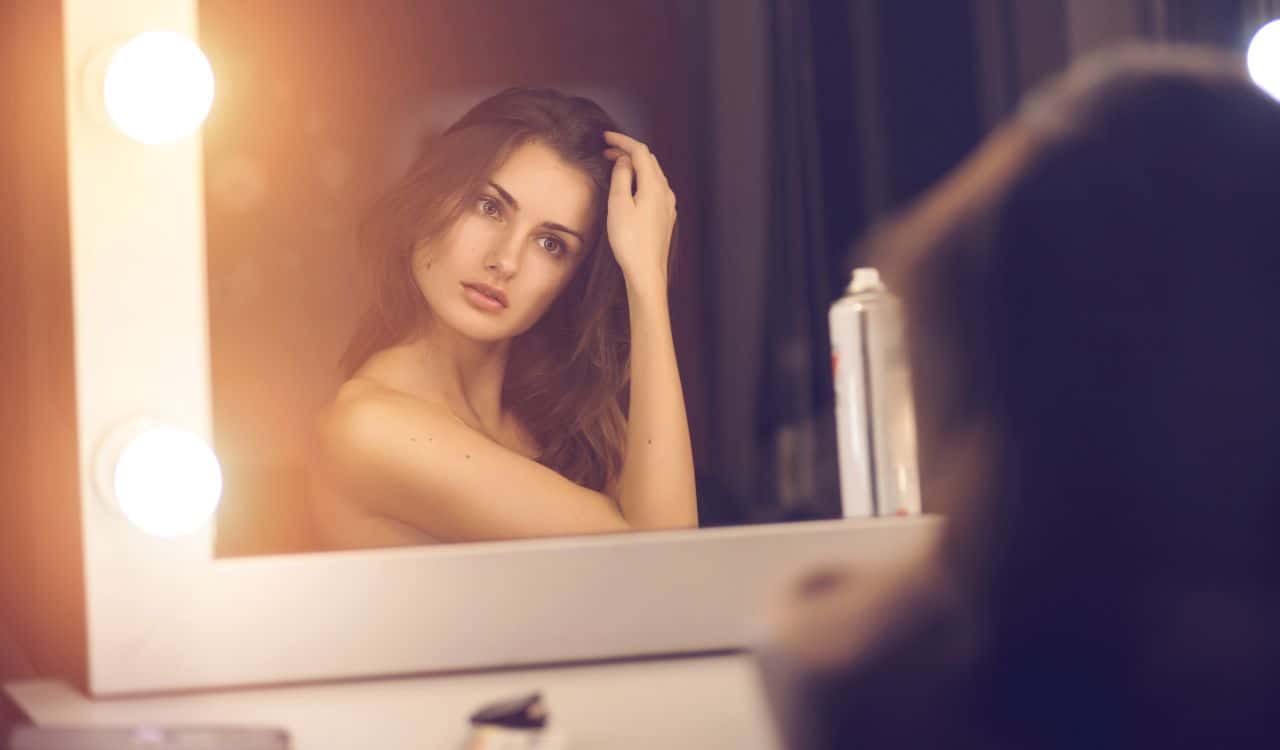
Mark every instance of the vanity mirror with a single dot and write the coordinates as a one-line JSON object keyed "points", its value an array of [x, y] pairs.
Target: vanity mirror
{"points": [[213, 296]]}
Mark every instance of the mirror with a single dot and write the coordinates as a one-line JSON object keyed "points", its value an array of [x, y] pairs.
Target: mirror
{"points": [[322, 107], [785, 128]]}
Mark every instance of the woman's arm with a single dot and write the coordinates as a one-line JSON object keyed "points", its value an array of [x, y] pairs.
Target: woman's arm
{"points": [[657, 484], [401, 458]]}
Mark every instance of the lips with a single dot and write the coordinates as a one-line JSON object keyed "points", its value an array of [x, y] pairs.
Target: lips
{"points": [[497, 295]]}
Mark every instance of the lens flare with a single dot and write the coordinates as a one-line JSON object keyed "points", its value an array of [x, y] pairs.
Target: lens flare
{"points": [[1263, 58], [167, 481], [158, 87]]}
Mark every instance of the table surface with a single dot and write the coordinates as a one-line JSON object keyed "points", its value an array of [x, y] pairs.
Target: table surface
{"points": [[705, 702]]}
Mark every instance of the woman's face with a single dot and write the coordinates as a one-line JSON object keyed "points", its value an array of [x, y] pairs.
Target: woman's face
{"points": [[494, 273]]}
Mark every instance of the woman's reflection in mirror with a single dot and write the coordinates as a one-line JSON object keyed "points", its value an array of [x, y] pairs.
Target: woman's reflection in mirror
{"points": [[1092, 320], [515, 376]]}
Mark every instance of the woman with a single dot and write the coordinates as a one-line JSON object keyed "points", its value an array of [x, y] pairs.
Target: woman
{"points": [[1092, 323], [521, 267]]}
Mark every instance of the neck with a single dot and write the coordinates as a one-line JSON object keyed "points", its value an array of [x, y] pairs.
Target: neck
{"points": [[466, 374]]}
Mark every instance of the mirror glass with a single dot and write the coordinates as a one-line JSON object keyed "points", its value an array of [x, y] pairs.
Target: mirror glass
{"points": [[320, 108], [784, 128]]}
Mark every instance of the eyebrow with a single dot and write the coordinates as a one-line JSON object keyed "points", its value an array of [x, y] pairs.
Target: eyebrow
{"points": [[510, 200]]}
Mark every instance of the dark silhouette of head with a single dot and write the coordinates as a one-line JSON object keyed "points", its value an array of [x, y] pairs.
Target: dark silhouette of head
{"points": [[1096, 357]]}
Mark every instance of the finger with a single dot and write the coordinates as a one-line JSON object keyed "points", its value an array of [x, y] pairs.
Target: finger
{"points": [[662, 174], [624, 141], [612, 153], [669, 194], [620, 187], [648, 175]]}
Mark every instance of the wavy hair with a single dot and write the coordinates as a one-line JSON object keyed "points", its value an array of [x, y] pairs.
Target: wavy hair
{"points": [[567, 375]]}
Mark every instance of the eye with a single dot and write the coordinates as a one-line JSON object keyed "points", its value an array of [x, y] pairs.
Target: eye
{"points": [[488, 206], [553, 245]]}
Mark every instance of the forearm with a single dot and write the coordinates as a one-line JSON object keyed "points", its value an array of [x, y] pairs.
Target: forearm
{"points": [[656, 489]]}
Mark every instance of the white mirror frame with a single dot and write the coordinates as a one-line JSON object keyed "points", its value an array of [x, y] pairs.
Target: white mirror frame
{"points": [[163, 614]]}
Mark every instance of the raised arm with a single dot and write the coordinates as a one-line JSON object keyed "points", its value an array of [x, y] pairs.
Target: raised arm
{"points": [[657, 484]]}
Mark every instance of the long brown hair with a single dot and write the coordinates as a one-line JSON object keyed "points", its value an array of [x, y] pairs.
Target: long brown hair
{"points": [[566, 376]]}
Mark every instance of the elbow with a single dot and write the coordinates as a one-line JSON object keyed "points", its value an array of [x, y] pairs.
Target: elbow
{"points": [[673, 523], [689, 518], [642, 514]]}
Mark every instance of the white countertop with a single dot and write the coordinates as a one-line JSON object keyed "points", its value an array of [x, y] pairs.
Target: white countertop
{"points": [[702, 702]]}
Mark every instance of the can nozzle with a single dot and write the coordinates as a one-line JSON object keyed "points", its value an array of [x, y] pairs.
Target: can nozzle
{"points": [[864, 280]]}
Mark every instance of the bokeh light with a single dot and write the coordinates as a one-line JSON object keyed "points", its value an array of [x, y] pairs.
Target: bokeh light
{"points": [[167, 481], [158, 87], [1263, 58]]}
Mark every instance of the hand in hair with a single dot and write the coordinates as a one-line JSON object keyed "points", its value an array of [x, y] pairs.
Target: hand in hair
{"points": [[640, 221]]}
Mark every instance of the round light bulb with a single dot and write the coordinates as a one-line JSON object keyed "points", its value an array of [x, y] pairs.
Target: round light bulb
{"points": [[158, 87], [1263, 58], [167, 481]]}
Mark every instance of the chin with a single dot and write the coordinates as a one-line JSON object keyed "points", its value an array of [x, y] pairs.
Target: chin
{"points": [[482, 329], [484, 334]]}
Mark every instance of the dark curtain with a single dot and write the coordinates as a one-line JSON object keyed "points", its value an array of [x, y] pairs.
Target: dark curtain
{"points": [[778, 129], [797, 472], [852, 108], [856, 134]]}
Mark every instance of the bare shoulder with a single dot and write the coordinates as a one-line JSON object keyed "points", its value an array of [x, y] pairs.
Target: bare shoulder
{"points": [[401, 457], [362, 394], [343, 434], [366, 414]]}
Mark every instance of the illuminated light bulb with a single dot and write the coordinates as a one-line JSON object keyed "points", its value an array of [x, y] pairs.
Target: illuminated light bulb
{"points": [[1263, 58], [166, 481], [158, 87]]}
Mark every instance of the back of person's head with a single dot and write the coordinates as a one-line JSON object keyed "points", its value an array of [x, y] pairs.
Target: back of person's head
{"points": [[1096, 359]]}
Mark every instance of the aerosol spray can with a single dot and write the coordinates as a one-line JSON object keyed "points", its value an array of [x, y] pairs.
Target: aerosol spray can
{"points": [[875, 413]]}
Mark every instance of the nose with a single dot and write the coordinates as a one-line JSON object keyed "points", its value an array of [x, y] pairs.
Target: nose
{"points": [[503, 258]]}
